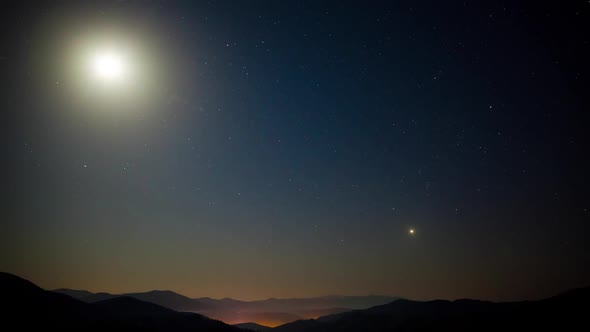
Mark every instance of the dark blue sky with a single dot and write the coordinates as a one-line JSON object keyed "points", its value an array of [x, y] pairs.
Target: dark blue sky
{"points": [[286, 149]]}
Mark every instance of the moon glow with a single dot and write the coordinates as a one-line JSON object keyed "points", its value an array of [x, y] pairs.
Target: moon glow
{"points": [[108, 66]]}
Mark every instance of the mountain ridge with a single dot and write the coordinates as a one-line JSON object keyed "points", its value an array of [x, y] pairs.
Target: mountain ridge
{"points": [[564, 311], [27, 306], [23, 300], [270, 312]]}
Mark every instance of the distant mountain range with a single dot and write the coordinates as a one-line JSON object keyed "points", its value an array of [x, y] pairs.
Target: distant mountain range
{"points": [[565, 312], [269, 312], [25, 306]]}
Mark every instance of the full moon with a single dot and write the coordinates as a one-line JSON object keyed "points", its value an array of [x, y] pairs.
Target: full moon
{"points": [[108, 66], [412, 232]]}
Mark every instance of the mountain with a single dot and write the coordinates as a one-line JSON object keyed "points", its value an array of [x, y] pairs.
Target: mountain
{"points": [[26, 306], [77, 294], [559, 313], [164, 298], [23, 303], [253, 327], [270, 319], [170, 300], [269, 312], [324, 302], [316, 313]]}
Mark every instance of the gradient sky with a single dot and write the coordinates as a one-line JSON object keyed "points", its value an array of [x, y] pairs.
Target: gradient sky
{"points": [[285, 148]]}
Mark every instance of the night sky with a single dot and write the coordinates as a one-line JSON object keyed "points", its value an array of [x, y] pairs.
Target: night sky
{"points": [[286, 148]]}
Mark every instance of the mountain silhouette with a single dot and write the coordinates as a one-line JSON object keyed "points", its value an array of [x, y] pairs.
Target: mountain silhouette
{"points": [[77, 294], [165, 298], [269, 312], [26, 306], [559, 313], [253, 327]]}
